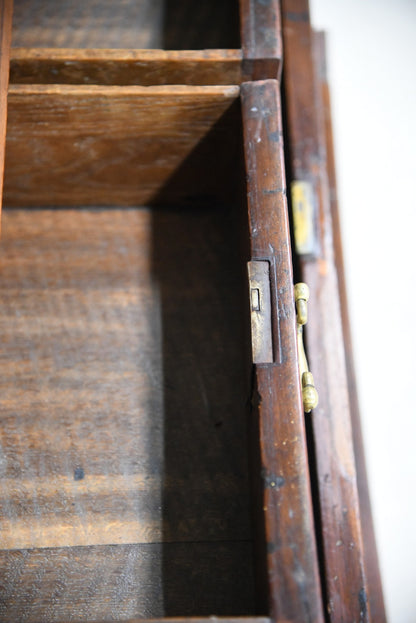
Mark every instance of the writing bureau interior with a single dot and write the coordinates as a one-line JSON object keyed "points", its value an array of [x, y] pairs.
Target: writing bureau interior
{"points": [[125, 478], [125, 382]]}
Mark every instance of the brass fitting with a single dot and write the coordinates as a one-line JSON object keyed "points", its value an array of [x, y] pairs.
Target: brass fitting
{"points": [[301, 300], [309, 393]]}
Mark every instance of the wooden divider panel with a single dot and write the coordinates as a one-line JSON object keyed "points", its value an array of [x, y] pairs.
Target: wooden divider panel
{"points": [[100, 145], [125, 67]]}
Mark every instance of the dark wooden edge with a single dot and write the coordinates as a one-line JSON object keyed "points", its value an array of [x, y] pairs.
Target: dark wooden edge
{"points": [[292, 569], [345, 579], [6, 10], [125, 67], [261, 39], [375, 591], [210, 619]]}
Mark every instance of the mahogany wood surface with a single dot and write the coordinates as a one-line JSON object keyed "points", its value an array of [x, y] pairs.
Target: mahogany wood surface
{"points": [[6, 9], [70, 145], [177, 25], [261, 39], [124, 386], [211, 619], [370, 549], [125, 67], [340, 521], [293, 579]]}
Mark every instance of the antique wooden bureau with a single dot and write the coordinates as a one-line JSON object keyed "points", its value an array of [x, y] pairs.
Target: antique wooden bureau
{"points": [[156, 460]]}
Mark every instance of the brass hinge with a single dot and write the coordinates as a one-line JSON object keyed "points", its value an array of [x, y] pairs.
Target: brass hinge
{"points": [[309, 393], [261, 326]]}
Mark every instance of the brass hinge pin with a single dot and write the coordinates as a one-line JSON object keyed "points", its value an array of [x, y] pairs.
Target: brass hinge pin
{"points": [[309, 393]]}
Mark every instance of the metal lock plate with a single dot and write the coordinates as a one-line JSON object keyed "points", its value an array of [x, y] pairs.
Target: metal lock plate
{"points": [[260, 311]]}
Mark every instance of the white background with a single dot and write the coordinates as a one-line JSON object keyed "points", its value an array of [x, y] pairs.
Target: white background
{"points": [[372, 73]]}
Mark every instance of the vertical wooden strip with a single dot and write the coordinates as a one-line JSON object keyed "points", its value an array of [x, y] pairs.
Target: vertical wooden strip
{"points": [[346, 582], [293, 580], [375, 595], [261, 39], [6, 10]]}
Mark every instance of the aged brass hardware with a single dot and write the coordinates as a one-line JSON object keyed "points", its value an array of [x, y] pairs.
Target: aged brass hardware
{"points": [[303, 209], [309, 393], [260, 311]]}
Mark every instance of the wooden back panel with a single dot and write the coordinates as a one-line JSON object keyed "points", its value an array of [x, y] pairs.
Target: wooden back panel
{"points": [[147, 24]]}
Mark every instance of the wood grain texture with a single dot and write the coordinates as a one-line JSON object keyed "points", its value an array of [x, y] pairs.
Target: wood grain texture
{"points": [[124, 414], [375, 593], [179, 25], [212, 619], [124, 67], [6, 10], [344, 569], [101, 145], [45, 23], [117, 582], [292, 567], [261, 39]]}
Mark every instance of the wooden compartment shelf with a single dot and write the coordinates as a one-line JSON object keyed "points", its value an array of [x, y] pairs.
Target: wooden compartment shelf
{"points": [[125, 389]]}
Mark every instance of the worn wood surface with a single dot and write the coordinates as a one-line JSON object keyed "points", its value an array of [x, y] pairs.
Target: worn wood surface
{"points": [[345, 578], [375, 595], [211, 619], [124, 392], [261, 40], [292, 566], [102, 145], [116, 582], [124, 67], [6, 9], [181, 25]]}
